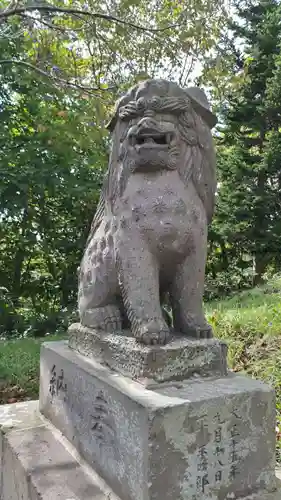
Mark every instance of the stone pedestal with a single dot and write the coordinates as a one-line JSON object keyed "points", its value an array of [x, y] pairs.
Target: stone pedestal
{"points": [[38, 463], [195, 439], [180, 359]]}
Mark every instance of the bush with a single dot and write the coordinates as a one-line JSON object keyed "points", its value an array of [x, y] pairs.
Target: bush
{"points": [[228, 282], [27, 321]]}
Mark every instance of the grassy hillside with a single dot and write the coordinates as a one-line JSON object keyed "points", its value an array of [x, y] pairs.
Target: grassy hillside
{"points": [[250, 322]]}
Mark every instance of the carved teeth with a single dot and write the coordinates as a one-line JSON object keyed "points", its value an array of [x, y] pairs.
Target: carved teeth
{"points": [[173, 140], [170, 138]]}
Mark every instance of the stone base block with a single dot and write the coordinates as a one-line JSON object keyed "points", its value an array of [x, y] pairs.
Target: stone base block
{"points": [[203, 439], [37, 463], [180, 359]]}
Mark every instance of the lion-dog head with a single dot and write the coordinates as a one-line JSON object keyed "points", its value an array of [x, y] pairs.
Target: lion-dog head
{"points": [[156, 126]]}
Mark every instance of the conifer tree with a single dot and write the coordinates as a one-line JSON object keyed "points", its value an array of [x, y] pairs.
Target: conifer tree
{"points": [[248, 218]]}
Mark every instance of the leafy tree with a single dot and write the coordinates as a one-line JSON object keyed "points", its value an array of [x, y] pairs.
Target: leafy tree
{"points": [[61, 68], [94, 45], [52, 157]]}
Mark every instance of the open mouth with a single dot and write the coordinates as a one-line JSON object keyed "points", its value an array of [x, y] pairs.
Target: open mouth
{"points": [[152, 140]]}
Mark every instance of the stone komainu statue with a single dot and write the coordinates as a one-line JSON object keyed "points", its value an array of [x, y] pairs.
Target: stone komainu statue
{"points": [[149, 236]]}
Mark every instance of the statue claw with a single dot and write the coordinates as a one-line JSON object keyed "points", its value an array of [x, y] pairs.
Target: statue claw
{"points": [[153, 334]]}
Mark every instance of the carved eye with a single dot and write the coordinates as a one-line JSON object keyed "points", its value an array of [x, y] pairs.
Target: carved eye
{"points": [[156, 102], [141, 103]]}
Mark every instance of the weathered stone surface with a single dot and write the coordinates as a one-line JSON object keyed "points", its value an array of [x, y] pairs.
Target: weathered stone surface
{"points": [[180, 359], [265, 496], [148, 240], [37, 463], [197, 440]]}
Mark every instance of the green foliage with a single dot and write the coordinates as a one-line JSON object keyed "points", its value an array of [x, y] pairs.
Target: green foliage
{"points": [[19, 368], [223, 283], [246, 230], [52, 159], [118, 42]]}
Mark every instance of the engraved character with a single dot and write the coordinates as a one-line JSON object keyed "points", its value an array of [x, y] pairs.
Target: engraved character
{"points": [[234, 456], [218, 419], [203, 457], [233, 471], [219, 450], [234, 431], [235, 413], [60, 380], [218, 476], [53, 381], [202, 466], [202, 482], [205, 482], [218, 435]]}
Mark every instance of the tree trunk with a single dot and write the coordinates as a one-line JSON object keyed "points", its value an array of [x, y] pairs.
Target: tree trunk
{"points": [[18, 262], [259, 267]]}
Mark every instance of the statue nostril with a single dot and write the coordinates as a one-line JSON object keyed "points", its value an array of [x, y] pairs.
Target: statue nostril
{"points": [[147, 123]]}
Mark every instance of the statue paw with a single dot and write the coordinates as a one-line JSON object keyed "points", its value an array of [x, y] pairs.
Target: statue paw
{"points": [[153, 333], [107, 318]]}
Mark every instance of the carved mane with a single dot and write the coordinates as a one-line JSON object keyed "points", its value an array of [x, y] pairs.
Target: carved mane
{"points": [[198, 167], [200, 162]]}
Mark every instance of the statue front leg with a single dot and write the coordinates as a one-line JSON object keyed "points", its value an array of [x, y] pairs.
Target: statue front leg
{"points": [[139, 283], [187, 295]]}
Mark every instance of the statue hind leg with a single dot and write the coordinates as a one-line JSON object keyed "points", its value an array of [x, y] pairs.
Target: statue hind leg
{"points": [[98, 296]]}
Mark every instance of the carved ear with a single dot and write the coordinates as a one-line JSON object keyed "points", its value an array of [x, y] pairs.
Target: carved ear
{"points": [[201, 105], [130, 95], [112, 122], [204, 178], [204, 166], [99, 214]]}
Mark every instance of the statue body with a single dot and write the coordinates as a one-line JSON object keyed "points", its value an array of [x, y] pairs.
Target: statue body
{"points": [[149, 236]]}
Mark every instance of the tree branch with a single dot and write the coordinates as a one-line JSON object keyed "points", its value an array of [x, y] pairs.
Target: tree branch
{"points": [[4, 14], [45, 23], [41, 72]]}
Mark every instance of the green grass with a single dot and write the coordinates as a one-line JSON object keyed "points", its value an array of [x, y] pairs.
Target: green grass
{"points": [[19, 368], [250, 322]]}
